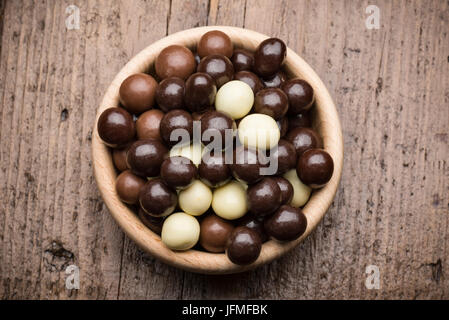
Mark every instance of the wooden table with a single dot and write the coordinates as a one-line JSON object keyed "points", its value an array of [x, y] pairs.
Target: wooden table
{"points": [[391, 86]]}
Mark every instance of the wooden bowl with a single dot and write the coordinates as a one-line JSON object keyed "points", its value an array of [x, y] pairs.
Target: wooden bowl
{"points": [[326, 122]]}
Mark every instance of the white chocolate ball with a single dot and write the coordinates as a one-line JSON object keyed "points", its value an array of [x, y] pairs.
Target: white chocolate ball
{"points": [[301, 192], [193, 152], [229, 201], [195, 199], [259, 131], [180, 231], [235, 98]]}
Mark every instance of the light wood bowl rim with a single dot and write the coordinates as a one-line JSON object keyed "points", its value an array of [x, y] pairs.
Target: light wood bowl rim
{"points": [[327, 124]]}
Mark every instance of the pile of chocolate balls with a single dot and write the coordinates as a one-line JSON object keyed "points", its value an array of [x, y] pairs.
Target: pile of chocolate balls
{"points": [[215, 148]]}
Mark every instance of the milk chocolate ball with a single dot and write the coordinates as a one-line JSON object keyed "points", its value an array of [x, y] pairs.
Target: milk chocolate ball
{"points": [[128, 186], [119, 158], [157, 199], [218, 67], [214, 233], [200, 92], [247, 164], [272, 102], [145, 157], [152, 223], [253, 223], [242, 60], [213, 169], [275, 81], [179, 120], [215, 42], [315, 168], [178, 172], [137, 92], [148, 125], [284, 154], [301, 120], [303, 139], [175, 61], [217, 128], [250, 79], [116, 127], [269, 57], [243, 246], [286, 224], [283, 126], [300, 95], [264, 197], [286, 189], [170, 94]]}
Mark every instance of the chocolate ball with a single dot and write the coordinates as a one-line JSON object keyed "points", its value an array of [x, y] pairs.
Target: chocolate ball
{"points": [[170, 94], [148, 125], [285, 156], [214, 233], [213, 169], [215, 42], [286, 189], [128, 186], [137, 93], [152, 223], [157, 199], [251, 222], [269, 57], [116, 127], [178, 172], [286, 224], [300, 95], [315, 168], [145, 157], [264, 197], [179, 120], [250, 79], [300, 120], [200, 92], [283, 126], [303, 139], [272, 102], [218, 67], [119, 158], [247, 164], [175, 61], [242, 60], [243, 246], [275, 81], [217, 128]]}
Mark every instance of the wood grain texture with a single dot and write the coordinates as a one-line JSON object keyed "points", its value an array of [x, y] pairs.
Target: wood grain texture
{"points": [[390, 86]]}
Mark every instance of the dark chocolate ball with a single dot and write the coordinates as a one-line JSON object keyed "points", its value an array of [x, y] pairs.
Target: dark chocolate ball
{"points": [[119, 158], [286, 224], [148, 125], [315, 168], [152, 223], [218, 67], [269, 57], [272, 102], [137, 93], [243, 246], [250, 221], [128, 186], [303, 139], [215, 42], [300, 95], [286, 189], [264, 197], [178, 172], [285, 155], [116, 127], [250, 79], [283, 126], [217, 125], [170, 94], [242, 60], [145, 157], [247, 163], [200, 92], [175, 61], [214, 233], [275, 81], [157, 199], [213, 169], [179, 120], [300, 120]]}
